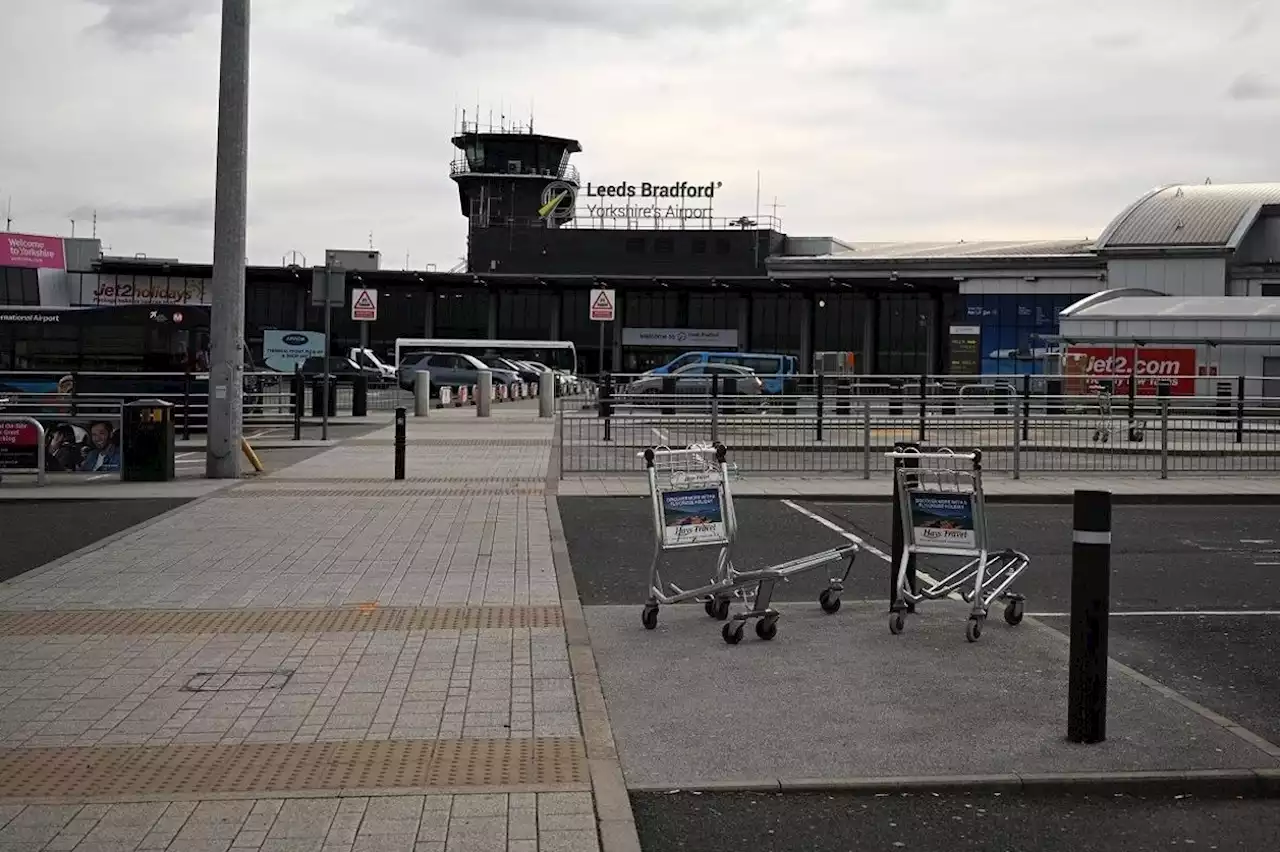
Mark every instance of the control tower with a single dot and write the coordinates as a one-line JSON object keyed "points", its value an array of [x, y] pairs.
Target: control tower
{"points": [[509, 175]]}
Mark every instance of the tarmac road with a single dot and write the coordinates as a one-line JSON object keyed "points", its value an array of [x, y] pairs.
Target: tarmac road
{"points": [[1182, 572], [796, 822], [35, 532]]}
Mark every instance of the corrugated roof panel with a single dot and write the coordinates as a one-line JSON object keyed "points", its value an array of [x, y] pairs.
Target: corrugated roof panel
{"points": [[1206, 215], [1179, 307]]}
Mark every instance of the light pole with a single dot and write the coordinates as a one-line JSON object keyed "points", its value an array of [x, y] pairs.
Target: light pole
{"points": [[226, 314]]}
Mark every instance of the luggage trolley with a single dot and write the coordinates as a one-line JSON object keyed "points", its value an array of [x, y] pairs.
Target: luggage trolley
{"points": [[1103, 428], [943, 513], [693, 507]]}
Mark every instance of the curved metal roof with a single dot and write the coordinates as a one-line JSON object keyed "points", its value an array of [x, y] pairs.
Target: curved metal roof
{"points": [[1190, 216]]}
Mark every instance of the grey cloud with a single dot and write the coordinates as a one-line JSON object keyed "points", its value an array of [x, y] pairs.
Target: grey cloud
{"points": [[195, 213], [1253, 87], [136, 22], [462, 26]]}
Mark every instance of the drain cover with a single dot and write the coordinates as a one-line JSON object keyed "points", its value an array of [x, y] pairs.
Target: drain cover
{"points": [[237, 681]]}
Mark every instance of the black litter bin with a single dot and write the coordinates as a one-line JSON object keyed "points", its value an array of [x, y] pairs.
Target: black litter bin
{"points": [[147, 441], [317, 396]]}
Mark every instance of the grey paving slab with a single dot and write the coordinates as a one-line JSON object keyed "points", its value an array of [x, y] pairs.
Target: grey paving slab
{"points": [[311, 551], [117, 690], [461, 823], [838, 697]]}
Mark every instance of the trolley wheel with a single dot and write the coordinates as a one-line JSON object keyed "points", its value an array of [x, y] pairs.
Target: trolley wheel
{"points": [[973, 630], [897, 623], [649, 617], [718, 608], [1013, 612], [767, 628], [732, 632], [828, 601]]}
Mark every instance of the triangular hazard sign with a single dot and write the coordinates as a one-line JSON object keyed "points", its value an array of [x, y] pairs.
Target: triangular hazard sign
{"points": [[363, 301], [602, 301]]}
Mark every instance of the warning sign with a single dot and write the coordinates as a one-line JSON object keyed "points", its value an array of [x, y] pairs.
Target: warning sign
{"points": [[364, 304], [602, 304]]}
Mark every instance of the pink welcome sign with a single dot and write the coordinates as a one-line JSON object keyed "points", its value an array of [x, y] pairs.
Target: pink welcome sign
{"points": [[31, 251]]}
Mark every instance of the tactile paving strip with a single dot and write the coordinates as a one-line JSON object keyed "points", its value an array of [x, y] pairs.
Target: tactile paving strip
{"points": [[456, 491], [348, 620], [77, 773]]}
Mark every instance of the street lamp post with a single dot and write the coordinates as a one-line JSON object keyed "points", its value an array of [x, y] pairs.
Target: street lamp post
{"points": [[226, 320]]}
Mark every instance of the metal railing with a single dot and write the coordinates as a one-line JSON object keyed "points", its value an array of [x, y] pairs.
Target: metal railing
{"points": [[269, 398], [848, 432]]}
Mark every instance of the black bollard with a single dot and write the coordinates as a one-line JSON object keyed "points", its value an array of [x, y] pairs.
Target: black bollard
{"points": [[360, 396], [668, 393], [606, 405], [400, 442], [186, 406], [819, 401], [898, 541], [844, 388], [299, 391], [1090, 609]]}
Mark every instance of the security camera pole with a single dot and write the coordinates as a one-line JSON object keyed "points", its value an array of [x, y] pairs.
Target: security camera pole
{"points": [[226, 321]]}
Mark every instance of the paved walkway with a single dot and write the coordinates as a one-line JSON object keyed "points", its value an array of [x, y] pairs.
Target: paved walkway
{"points": [[322, 659]]}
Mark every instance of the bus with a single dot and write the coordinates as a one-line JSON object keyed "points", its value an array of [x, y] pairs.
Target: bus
{"points": [[126, 349], [559, 355]]}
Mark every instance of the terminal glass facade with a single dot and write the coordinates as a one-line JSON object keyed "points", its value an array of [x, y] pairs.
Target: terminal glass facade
{"points": [[1019, 333]]}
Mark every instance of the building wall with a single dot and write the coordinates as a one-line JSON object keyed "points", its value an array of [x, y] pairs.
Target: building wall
{"points": [[574, 251], [1192, 276], [1262, 244]]}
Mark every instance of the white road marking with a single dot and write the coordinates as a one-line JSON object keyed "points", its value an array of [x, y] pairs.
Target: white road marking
{"points": [[862, 543], [100, 476], [1155, 613], [1257, 541], [870, 548], [1267, 563]]}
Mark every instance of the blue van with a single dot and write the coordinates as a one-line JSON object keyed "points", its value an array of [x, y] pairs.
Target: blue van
{"points": [[771, 369]]}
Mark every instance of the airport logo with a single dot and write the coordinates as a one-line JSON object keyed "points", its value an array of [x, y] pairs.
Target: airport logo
{"points": [[558, 202]]}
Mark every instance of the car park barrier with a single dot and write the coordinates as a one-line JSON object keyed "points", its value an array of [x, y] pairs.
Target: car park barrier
{"points": [[692, 504], [942, 512]]}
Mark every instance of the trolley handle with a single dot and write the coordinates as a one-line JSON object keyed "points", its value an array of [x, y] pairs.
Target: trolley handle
{"points": [[718, 448], [943, 453]]}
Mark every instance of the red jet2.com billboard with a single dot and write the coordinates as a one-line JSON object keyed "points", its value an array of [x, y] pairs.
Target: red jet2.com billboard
{"points": [[1084, 363]]}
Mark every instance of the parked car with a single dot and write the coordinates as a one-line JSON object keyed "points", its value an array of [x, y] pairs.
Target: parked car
{"points": [[694, 380], [343, 368], [772, 369], [450, 370], [523, 370]]}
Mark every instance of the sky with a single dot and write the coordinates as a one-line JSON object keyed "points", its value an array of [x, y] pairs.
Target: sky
{"points": [[865, 119]]}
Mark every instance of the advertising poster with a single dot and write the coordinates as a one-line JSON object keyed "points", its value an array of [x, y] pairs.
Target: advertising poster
{"points": [[943, 520], [31, 251], [71, 445], [693, 517], [285, 350]]}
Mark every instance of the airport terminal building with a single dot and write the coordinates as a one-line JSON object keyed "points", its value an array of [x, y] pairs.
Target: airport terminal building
{"points": [[541, 236]]}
